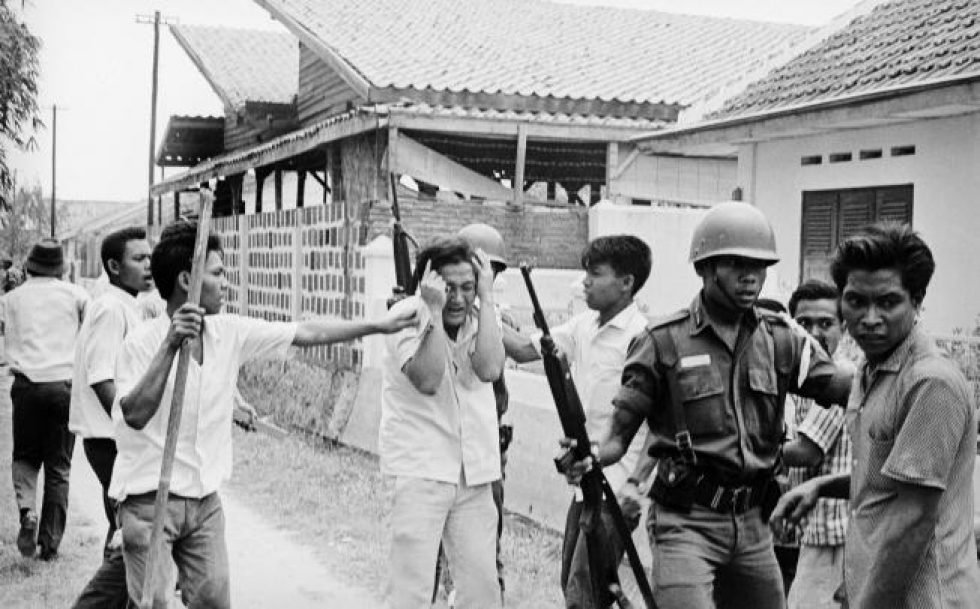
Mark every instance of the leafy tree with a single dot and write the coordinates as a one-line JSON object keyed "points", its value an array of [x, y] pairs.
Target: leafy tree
{"points": [[18, 92], [27, 221]]}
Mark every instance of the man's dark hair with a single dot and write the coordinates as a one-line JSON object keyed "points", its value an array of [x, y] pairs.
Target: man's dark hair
{"points": [[440, 252], [886, 245], [175, 254], [114, 244], [814, 289], [626, 254]]}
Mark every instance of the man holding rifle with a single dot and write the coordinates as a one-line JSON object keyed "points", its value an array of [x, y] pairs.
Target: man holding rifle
{"points": [[194, 521], [711, 381], [595, 344]]}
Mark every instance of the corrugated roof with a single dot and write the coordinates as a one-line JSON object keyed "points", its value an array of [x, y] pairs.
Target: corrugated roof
{"points": [[900, 43], [538, 48], [244, 65]]}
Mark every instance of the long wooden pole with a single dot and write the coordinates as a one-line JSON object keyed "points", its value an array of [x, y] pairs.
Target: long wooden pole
{"points": [[176, 405]]}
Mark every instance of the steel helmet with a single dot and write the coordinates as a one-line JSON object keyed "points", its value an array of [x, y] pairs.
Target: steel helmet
{"points": [[733, 228], [487, 238]]}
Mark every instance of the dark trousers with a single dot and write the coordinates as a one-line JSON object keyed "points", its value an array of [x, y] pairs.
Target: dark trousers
{"points": [[42, 439], [101, 454], [107, 588], [576, 579]]}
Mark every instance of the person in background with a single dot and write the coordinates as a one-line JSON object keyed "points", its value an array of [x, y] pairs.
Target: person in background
{"points": [[41, 321], [820, 446], [111, 316], [913, 428]]}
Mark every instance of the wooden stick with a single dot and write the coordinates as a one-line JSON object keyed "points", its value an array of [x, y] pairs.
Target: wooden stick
{"points": [[176, 404]]}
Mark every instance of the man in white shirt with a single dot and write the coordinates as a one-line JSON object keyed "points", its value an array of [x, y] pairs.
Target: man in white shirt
{"points": [[194, 523], [595, 343], [41, 322], [439, 437], [111, 316]]}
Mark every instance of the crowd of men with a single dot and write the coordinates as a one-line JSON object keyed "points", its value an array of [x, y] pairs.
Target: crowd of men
{"points": [[862, 477]]}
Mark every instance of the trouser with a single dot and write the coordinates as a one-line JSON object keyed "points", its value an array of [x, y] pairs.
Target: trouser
{"points": [[787, 557], [497, 490], [818, 575], [41, 439], [101, 454], [464, 519], [107, 588], [193, 534], [703, 555], [576, 579]]}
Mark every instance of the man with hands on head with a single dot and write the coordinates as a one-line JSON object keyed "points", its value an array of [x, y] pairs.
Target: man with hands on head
{"points": [[439, 438], [912, 425], [220, 344]]}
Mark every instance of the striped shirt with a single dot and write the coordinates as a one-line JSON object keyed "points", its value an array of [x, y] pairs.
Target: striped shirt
{"points": [[826, 525]]}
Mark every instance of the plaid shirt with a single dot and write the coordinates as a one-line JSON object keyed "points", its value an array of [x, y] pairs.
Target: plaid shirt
{"points": [[826, 525]]}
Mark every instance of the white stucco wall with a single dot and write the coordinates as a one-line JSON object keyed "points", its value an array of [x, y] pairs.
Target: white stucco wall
{"points": [[945, 172]]}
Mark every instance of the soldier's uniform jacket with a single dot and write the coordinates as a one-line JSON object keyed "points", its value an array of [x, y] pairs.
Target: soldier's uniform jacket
{"points": [[732, 401]]}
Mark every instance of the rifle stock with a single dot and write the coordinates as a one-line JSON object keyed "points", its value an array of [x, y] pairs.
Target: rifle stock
{"points": [[595, 487]]}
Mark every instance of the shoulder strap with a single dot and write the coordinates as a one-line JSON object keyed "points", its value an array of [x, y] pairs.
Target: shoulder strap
{"points": [[663, 338]]}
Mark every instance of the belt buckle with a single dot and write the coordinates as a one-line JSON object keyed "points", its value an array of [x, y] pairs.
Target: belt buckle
{"points": [[740, 499]]}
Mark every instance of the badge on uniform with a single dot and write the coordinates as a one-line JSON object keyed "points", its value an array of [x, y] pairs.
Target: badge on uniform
{"points": [[695, 361]]}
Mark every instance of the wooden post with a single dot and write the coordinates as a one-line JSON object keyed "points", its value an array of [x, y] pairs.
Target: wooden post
{"points": [[176, 405], [176, 205], [612, 164], [300, 188], [519, 166], [259, 185], [278, 182]]}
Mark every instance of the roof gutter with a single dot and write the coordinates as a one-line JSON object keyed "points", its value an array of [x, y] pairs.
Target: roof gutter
{"points": [[849, 100]]}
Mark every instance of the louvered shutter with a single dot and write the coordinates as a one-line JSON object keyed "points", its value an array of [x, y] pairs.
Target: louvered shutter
{"points": [[856, 211], [894, 204], [818, 233]]}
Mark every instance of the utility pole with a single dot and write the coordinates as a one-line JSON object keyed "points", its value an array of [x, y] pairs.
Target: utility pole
{"points": [[155, 20], [54, 166]]}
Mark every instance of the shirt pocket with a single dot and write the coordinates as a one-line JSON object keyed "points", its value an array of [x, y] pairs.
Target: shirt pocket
{"points": [[763, 412], [703, 395]]}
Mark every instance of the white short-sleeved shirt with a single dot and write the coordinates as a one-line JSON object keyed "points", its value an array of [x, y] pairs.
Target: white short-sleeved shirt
{"points": [[203, 457], [108, 320], [41, 320], [437, 437], [596, 356]]}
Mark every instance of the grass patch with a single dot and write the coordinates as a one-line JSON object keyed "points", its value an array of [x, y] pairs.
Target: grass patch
{"points": [[334, 499]]}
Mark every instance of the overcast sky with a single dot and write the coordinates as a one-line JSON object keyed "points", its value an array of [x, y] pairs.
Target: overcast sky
{"points": [[96, 66]]}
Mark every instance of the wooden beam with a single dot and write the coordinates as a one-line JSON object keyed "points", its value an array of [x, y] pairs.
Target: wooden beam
{"points": [[519, 165], [300, 188], [504, 127], [259, 185], [322, 182], [621, 167], [414, 159], [278, 184]]}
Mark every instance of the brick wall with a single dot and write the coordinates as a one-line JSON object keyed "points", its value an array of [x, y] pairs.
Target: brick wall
{"points": [[547, 237]]}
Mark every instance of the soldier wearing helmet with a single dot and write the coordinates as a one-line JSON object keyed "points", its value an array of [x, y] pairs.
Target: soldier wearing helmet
{"points": [[711, 380]]}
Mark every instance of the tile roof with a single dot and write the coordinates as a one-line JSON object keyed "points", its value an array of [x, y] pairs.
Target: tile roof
{"points": [[244, 65], [897, 44], [537, 48]]}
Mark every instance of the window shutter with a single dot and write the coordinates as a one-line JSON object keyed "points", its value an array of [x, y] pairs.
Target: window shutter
{"points": [[894, 204], [856, 212], [817, 238]]}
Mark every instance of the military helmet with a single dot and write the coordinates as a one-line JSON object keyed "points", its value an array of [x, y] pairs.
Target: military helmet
{"points": [[733, 228], [487, 238]]}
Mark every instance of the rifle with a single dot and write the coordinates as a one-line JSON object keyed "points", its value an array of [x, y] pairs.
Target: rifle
{"points": [[595, 487], [399, 243]]}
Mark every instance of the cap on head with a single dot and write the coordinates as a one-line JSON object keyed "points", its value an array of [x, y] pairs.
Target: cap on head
{"points": [[734, 229], [46, 258], [487, 238]]}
